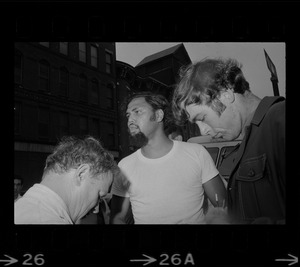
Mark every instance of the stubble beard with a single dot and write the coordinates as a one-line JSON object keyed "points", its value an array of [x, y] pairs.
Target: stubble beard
{"points": [[138, 139]]}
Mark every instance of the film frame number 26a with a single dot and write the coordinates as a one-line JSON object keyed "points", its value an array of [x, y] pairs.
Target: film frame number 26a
{"points": [[176, 259]]}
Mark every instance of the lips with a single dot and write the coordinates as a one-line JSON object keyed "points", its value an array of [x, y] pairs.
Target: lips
{"points": [[133, 128]]}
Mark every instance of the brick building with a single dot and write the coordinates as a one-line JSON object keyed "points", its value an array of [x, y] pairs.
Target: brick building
{"points": [[61, 89]]}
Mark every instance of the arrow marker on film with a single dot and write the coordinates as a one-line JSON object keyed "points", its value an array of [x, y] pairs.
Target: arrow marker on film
{"points": [[148, 261], [293, 261], [9, 261]]}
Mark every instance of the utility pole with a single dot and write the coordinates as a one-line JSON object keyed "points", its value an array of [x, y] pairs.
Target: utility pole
{"points": [[274, 77]]}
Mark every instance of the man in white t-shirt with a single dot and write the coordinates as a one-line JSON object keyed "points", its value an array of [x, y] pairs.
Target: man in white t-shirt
{"points": [[165, 180]]}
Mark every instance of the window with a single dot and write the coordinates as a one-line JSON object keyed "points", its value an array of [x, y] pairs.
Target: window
{"points": [[17, 114], [63, 82], [95, 92], [94, 56], [110, 96], [108, 61], [18, 67], [63, 48], [83, 125], [43, 122], [44, 70], [107, 134], [63, 124], [107, 96], [46, 44], [82, 52], [83, 88]]}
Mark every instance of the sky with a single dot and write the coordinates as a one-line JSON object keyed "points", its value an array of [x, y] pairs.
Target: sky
{"points": [[251, 55]]}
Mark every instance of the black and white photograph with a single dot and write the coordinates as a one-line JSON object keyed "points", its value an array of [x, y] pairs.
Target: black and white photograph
{"points": [[173, 117], [152, 134]]}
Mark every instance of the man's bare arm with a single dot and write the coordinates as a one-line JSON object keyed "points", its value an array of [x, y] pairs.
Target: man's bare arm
{"points": [[216, 191]]}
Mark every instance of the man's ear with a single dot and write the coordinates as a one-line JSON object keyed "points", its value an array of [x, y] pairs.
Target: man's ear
{"points": [[159, 115], [227, 97], [82, 173]]}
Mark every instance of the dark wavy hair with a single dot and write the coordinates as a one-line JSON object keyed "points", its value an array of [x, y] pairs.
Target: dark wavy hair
{"points": [[73, 151], [202, 83], [155, 100]]}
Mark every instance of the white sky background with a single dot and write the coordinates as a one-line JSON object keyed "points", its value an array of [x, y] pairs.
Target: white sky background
{"points": [[251, 55]]}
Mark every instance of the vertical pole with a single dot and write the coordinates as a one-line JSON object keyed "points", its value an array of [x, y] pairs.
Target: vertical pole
{"points": [[275, 86]]}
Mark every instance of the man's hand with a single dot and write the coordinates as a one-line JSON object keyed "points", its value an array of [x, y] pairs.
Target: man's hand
{"points": [[217, 215]]}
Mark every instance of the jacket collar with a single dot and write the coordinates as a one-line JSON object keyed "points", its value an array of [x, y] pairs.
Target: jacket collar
{"points": [[263, 107]]}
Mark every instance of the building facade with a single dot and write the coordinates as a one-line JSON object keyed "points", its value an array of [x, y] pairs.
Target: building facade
{"points": [[61, 88]]}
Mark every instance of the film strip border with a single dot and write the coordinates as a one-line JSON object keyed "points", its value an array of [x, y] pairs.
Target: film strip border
{"points": [[121, 245], [163, 21]]}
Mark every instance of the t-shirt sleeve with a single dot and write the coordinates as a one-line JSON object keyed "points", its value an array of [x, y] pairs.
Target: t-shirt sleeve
{"points": [[120, 186], [208, 168]]}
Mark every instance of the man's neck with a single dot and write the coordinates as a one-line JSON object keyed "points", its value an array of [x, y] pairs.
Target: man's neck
{"points": [[58, 184], [157, 147], [248, 104]]}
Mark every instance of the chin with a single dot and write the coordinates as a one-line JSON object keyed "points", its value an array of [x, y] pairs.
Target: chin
{"points": [[138, 140]]}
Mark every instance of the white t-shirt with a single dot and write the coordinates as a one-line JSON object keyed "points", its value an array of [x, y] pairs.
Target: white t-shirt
{"points": [[41, 205], [167, 190]]}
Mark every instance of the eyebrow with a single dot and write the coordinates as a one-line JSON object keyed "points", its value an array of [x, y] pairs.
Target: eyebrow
{"points": [[134, 109]]}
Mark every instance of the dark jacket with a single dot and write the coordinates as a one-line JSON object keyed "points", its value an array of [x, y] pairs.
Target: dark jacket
{"points": [[256, 187]]}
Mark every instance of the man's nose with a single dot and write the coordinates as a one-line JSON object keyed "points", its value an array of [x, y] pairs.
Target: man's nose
{"points": [[131, 119]]}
